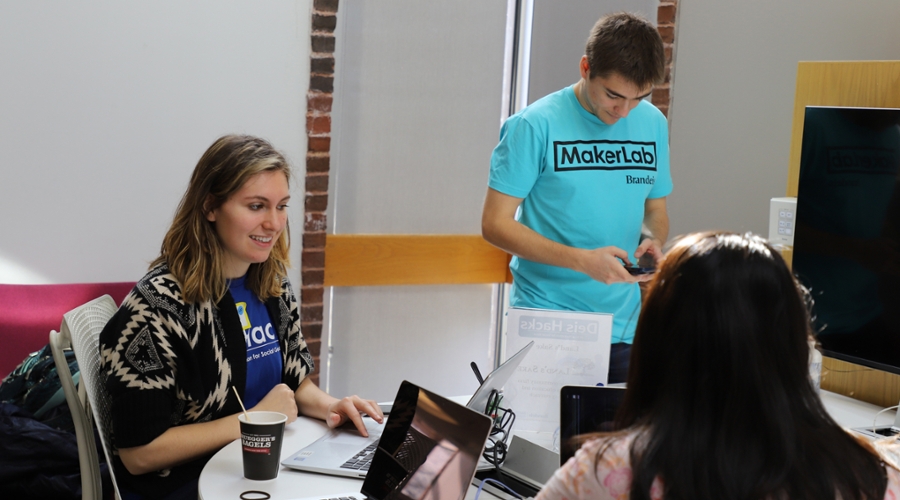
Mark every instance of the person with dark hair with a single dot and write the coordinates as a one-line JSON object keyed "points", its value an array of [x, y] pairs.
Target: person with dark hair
{"points": [[215, 314], [579, 180], [719, 403]]}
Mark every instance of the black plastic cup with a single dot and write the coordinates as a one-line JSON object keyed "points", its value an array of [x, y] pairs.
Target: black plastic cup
{"points": [[261, 439]]}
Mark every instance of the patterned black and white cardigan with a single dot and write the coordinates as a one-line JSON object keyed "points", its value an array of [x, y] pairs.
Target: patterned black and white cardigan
{"points": [[167, 363]]}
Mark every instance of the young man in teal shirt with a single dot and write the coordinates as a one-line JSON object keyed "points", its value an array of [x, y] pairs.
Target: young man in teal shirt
{"points": [[589, 168]]}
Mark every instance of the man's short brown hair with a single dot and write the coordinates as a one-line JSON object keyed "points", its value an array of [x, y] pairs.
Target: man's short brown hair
{"points": [[629, 45]]}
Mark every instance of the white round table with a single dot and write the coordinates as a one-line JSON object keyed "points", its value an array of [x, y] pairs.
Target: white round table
{"points": [[223, 476]]}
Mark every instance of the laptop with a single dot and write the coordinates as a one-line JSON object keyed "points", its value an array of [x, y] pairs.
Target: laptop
{"points": [[497, 379], [427, 451], [582, 410], [345, 452], [527, 467]]}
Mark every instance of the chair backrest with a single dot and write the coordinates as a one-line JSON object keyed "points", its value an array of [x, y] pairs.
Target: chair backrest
{"points": [[81, 329]]}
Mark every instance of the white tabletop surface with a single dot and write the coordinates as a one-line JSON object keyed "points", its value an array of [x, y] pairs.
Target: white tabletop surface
{"points": [[851, 413], [223, 476]]}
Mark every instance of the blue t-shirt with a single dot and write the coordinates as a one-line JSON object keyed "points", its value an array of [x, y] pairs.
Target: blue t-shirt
{"points": [[264, 363], [584, 184]]}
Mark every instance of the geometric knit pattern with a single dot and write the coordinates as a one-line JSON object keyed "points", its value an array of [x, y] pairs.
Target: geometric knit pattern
{"points": [[169, 363]]}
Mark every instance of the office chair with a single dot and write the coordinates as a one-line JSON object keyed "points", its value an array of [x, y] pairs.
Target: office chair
{"points": [[80, 330]]}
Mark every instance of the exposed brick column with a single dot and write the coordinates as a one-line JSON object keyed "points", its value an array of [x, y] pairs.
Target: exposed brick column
{"points": [[665, 22], [318, 156]]}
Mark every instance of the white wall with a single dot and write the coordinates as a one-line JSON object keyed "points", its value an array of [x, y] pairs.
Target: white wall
{"points": [[105, 108], [735, 78], [416, 115]]}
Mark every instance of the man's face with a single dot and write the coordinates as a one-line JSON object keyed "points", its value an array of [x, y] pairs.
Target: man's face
{"points": [[610, 98]]}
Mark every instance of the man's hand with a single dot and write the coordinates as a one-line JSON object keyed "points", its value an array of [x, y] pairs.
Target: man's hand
{"points": [[650, 250], [500, 228], [605, 265], [349, 408]]}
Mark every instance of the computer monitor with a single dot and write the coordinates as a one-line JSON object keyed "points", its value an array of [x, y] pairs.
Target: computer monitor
{"points": [[847, 235], [584, 410]]}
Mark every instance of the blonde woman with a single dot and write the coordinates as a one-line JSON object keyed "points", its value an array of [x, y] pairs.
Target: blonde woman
{"points": [[215, 311]]}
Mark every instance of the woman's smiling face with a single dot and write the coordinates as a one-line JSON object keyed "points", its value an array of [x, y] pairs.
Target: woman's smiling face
{"points": [[251, 221]]}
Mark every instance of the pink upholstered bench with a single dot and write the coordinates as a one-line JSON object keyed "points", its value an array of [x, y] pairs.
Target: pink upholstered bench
{"points": [[29, 312]]}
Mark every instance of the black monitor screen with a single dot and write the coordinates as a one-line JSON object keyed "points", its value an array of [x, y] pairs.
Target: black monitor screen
{"points": [[583, 410], [847, 234]]}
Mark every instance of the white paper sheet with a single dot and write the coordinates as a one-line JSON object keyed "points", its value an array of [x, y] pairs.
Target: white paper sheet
{"points": [[571, 348]]}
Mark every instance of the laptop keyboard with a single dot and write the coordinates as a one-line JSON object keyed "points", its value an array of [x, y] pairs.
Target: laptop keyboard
{"points": [[361, 460]]}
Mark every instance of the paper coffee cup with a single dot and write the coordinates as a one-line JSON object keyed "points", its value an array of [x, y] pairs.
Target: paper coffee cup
{"points": [[261, 439]]}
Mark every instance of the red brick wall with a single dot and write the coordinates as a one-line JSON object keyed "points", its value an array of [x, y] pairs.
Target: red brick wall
{"points": [[318, 157], [665, 21]]}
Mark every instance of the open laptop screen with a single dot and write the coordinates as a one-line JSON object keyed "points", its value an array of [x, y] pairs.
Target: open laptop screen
{"points": [[429, 448], [497, 379]]}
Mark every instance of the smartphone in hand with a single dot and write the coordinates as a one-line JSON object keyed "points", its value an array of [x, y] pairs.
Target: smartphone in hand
{"points": [[636, 270]]}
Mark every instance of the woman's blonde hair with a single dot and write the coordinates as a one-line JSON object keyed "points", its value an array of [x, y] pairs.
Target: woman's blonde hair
{"points": [[192, 248]]}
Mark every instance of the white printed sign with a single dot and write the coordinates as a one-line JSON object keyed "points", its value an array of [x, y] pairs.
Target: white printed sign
{"points": [[570, 348]]}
